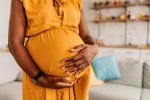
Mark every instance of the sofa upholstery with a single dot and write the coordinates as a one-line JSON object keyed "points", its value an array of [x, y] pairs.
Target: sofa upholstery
{"points": [[131, 73], [8, 68], [146, 73], [134, 84], [11, 91], [114, 92], [10, 88], [145, 94]]}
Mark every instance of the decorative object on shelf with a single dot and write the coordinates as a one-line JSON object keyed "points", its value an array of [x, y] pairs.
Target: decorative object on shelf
{"points": [[148, 45], [114, 4], [125, 17], [122, 17], [126, 2], [100, 4], [107, 3], [143, 16]]}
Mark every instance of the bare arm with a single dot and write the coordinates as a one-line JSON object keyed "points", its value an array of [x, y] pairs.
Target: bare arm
{"points": [[17, 28], [84, 32]]}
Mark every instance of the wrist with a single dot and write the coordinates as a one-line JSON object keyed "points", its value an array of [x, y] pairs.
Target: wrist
{"points": [[42, 80], [36, 77], [95, 49], [89, 40]]}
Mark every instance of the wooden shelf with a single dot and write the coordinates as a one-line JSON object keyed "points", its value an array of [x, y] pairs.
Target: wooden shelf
{"points": [[117, 20], [123, 20], [125, 46], [121, 5]]}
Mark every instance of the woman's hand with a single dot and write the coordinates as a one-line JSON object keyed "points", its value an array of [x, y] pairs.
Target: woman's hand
{"points": [[55, 82], [80, 62]]}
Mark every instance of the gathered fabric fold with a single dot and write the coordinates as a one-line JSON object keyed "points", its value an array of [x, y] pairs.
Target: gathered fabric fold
{"points": [[59, 7]]}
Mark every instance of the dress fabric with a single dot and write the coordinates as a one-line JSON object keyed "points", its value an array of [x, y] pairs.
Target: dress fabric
{"points": [[52, 30]]}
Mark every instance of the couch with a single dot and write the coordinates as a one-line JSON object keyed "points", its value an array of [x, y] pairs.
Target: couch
{"points": [[134, 84], [10, 78]]}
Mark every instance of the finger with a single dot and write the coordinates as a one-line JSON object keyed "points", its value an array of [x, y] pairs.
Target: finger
{"points": [[72, 83], [78, 48], [82, 68], [67, 65], [64, 85], [79, 62], [62, 79], [73, 64], [78, 57], [67, 60], [72, 59], [76, 68], [75, 58], [72, 70]]}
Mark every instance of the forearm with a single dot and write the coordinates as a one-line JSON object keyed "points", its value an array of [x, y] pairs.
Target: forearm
{"points": [[23, 58], [89, 40], [84, 32]]}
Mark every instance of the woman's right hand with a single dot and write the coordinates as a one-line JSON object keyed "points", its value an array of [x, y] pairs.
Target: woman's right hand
{"points": [[55, 82]]}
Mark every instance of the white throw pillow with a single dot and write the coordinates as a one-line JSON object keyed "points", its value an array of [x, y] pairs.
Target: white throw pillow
{"points": [[131, 72], [9, 69]]}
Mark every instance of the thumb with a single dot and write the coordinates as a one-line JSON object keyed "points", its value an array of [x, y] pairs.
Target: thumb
{"points": [[62, 79], [78, 48]]}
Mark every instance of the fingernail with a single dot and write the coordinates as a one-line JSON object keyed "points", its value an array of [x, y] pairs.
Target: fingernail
{"points": [[67, 72], [67, 78], [72, 49], [63, 61], [62, 67]]}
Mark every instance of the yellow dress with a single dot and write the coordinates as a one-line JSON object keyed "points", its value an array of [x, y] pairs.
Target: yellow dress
{"points": [[52, 30]]}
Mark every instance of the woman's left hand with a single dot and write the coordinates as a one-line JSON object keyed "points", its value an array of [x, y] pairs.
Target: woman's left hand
{"points": [[80, 62]]}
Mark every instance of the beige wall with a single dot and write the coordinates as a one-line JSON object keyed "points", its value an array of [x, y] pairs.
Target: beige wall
{"points": [[113, 33]]}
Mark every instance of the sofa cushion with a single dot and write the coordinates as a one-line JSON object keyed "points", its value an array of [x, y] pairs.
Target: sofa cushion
{"points": [[8, 68], [146, 82], [106, 68], [145, 94], [11, 91], [114, 92], [131, 72]]}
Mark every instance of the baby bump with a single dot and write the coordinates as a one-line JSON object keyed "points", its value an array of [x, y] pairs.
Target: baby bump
{"points": [[51, 46]]}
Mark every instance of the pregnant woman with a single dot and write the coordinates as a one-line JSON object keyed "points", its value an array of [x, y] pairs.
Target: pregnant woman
{"points": [[58, 52]]}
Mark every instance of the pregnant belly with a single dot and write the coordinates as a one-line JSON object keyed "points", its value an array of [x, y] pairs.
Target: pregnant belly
{"points": [[51, 46]]}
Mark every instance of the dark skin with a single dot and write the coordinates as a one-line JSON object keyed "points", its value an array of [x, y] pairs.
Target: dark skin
{"points": [[17, 29], [87, 51]]}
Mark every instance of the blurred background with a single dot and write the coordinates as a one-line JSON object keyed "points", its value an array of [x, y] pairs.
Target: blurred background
{"points": [[119, 25], [122, 30]]}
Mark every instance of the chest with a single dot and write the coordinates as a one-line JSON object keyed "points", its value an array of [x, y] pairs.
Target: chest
{"points": [[46, 8]]}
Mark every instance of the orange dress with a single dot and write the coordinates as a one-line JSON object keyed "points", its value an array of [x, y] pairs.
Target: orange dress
{"points": [[52, 30]]}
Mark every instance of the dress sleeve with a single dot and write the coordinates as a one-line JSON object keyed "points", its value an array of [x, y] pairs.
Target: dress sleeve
{"points": [[80, 4]]}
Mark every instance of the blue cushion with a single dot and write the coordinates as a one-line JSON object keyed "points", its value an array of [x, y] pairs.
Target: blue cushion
{"points": [[106, 68]]}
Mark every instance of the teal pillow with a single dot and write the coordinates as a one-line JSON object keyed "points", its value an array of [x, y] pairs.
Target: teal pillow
{"points": [[106, 68]]}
